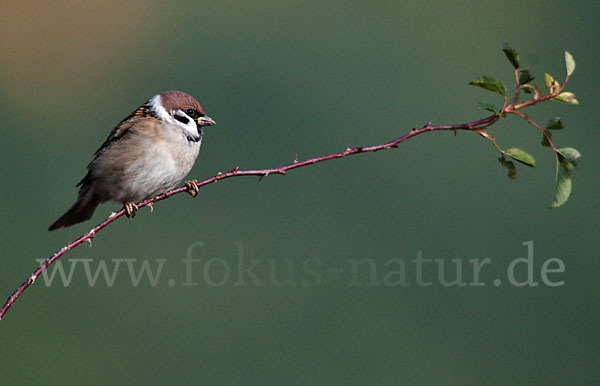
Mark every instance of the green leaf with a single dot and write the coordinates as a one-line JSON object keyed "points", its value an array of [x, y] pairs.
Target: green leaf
{"points": [[566, 160], [551, 85], [567, 97], [554, 124], [512, 169], [570, 63], [489, 84], [525, 76], [488, 106], [521, 156], [573, 155], [544, 139], [512, 55]]}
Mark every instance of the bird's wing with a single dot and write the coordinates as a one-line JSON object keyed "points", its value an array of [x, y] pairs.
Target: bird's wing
{"points": [[140, 120], [121, 129]]}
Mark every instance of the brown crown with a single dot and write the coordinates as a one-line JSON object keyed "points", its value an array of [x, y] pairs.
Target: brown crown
{"points": [[171, 100]]}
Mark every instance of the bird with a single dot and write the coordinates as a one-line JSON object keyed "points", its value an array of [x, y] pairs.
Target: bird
{"points": [[146, 154]]}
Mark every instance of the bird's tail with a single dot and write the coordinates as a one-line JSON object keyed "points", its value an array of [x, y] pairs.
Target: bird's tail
{"points": [[82, 210]]}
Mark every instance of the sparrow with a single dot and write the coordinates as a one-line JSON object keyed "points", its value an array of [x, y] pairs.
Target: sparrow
{"points": [[146, 154]]}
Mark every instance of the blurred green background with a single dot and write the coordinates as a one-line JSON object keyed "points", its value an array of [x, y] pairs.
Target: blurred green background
{"points": [[305, 77]]}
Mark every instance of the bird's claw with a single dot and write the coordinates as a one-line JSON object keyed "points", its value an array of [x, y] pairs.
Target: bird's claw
{"points": [[130, 209], [192, 187]]}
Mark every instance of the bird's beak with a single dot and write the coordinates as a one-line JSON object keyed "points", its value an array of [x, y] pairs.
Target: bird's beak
{"points": [[205, 121]]}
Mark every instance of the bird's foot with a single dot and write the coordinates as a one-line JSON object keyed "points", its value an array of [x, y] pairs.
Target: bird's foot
{"points": [[130, 209], [192, 187]]}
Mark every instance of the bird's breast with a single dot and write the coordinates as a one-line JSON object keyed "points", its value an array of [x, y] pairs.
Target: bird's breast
{"points": [[165, 165]]}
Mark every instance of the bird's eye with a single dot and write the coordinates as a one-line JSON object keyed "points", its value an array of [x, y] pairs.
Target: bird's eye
{"points": [[190, 112]]}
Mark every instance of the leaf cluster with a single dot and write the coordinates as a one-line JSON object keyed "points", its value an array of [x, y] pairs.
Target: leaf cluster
{"points": [[567, 158]]}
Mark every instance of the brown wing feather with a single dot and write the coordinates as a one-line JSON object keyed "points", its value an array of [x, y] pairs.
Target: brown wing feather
{"points": [[118, 132], [143, 111]]}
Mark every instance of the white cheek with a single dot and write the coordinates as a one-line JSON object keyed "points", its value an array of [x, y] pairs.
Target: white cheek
{"points": [[159, 109], [189, 128]]}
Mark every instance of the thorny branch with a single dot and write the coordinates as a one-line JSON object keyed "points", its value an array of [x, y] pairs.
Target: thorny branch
{"points": [[261, 173], [478, 126]]}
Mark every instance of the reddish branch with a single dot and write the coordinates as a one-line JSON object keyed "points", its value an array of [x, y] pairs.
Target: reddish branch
{"points": [[476, 126], [87, 237]]}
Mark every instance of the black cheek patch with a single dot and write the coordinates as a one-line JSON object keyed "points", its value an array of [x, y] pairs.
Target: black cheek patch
{"points": [[193, 139], [181, 119]]}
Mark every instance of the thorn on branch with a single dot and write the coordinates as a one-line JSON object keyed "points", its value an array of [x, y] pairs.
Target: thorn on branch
{"points": [[90, 237]]}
